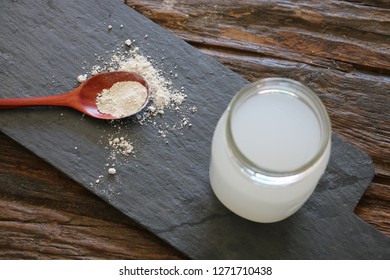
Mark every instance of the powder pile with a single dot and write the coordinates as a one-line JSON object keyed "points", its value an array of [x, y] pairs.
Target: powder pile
{"points": [[163, 94], [159, 87], [122, 99], [166, 99]]}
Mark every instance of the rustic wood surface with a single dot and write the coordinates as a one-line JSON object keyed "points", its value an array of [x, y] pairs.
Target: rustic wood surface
{"points": [[341, 49]]}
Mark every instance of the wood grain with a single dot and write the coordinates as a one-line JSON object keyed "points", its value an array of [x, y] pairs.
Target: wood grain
{"points": [[338, 48]]}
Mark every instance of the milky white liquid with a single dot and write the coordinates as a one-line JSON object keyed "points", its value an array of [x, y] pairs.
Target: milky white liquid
{"points": [[276, 131], [279, 133]]}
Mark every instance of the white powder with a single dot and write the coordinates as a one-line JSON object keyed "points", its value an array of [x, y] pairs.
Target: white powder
{"points": [[121, 145], [81, 78], [122, 99], [165, 99], [161, 88], [96, 70], [128, 42], [158, 86], [112, 171]]}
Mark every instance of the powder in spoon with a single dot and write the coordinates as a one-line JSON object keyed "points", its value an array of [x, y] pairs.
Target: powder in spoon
{"points": [[122, 99]]}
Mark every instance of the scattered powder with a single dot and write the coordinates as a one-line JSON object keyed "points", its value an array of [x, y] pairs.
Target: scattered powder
{"points": [[164, 96], [128, 42], [122, 99], [122, 146], [81, 78], [112, 171], [96, 70]]}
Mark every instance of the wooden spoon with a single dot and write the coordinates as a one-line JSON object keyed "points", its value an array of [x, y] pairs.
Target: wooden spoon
{"points": [[83, 98]]}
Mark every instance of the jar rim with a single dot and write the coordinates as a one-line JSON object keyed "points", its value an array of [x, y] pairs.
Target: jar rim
{"points": [[287, 86]]}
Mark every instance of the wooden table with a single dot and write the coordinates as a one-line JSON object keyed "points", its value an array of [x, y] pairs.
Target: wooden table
{"points": [[341, 49]]}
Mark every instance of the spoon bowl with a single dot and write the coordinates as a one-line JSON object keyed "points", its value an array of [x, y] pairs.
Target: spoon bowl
{"points": [[82, 98]]}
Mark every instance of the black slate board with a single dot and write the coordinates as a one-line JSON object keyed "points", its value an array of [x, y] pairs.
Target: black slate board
{"points": [[45, 44]]}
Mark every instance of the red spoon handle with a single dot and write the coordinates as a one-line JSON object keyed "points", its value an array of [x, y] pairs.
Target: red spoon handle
{"points": [[55, 100]]}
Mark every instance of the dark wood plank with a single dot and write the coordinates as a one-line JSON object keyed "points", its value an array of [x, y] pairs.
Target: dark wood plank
{"points": [[374, 206]]}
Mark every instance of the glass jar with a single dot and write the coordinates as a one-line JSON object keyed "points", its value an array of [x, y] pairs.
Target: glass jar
{"points": [[269, 149]]}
